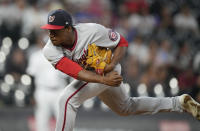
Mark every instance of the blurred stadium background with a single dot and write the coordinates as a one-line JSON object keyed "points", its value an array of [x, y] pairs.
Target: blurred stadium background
{"points": [[163, 58]]}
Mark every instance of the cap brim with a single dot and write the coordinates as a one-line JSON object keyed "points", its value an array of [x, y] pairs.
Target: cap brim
{"points": [[52, 27]]}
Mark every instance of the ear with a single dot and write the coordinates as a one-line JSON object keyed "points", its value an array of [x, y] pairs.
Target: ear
{"points": [[68, 29]]}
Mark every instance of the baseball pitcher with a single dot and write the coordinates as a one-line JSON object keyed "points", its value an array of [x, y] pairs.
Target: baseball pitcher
{"points": [[91, 54]]}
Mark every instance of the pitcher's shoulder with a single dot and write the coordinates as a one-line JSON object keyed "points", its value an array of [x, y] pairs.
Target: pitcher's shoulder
{"points": [[89, 26], [49, 48]]}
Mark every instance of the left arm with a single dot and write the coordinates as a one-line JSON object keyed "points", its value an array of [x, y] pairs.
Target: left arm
{"points": [[118, 54]]}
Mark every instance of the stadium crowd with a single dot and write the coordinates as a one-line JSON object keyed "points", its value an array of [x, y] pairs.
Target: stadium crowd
{"points": [[163, 58]]}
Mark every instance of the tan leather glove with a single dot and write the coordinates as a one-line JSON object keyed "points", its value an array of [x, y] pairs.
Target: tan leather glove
{"points": [[98, 57]]}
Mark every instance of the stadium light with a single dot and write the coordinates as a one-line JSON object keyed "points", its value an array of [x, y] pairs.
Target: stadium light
{"points": [[5, 50], [23, 43], [142, 90], [6, 45], [19, 98], [127, 88], [26, 80], [174, 89], [7, 42], [158, 90], [5, 89], [9, 79]]}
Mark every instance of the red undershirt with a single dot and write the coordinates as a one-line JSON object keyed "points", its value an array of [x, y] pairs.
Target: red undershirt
{"points": [[72, 69]]}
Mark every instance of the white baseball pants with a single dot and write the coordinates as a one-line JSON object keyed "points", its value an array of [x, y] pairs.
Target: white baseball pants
{"points": [[114, 97]]}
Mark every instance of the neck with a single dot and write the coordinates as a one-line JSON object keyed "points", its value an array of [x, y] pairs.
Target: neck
{"points": [[72, 39]]}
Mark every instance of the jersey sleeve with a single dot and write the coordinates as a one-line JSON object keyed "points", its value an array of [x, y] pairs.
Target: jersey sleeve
{"points": [[56, 57], [68, 67], [105, 37], [52, 53], [123, 42]]}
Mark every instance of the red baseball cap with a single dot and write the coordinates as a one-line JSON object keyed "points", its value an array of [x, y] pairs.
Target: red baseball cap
{"points": [[57, 19]]}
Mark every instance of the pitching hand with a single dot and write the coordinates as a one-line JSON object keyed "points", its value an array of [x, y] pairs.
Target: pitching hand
{"points": [[112, 79]]}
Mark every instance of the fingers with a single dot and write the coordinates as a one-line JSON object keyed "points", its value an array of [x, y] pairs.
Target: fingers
{"points": [[116, 84], [118, 77], [113, 79], [117, 81]]}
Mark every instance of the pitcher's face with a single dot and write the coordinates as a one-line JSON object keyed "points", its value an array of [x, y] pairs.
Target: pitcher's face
{"points": [[62, 37]]}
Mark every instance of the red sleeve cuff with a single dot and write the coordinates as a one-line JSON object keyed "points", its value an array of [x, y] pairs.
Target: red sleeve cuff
{"points": [[68, 67], [122, 42]]}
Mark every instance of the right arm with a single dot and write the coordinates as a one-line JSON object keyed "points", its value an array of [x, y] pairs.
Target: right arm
{"points": [[75, 70], [59, 61], [111, 79]]}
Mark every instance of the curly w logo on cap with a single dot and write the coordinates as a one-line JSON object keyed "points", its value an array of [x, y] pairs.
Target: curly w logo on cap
{"points": [[57, 19], [51, 18]]}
